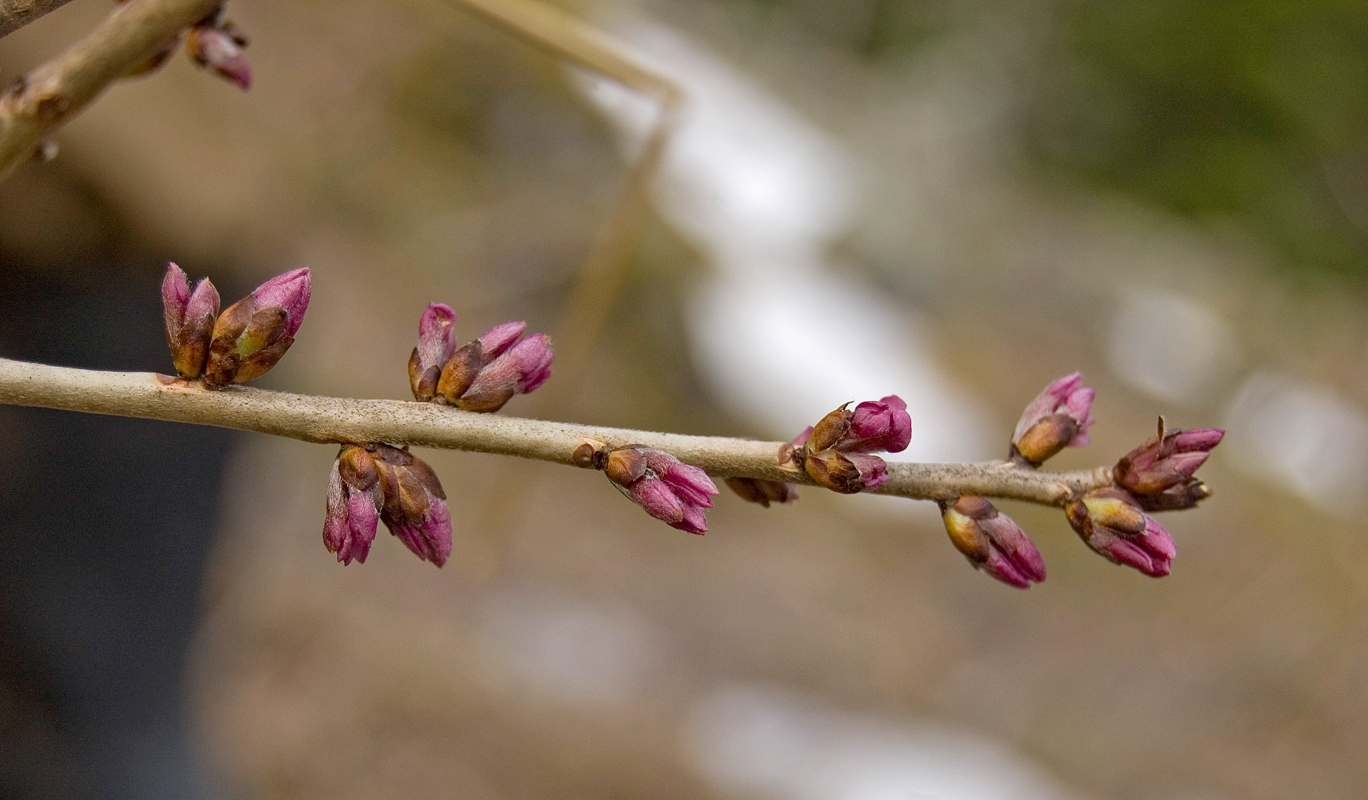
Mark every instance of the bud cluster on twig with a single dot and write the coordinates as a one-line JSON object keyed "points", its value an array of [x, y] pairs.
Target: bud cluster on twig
{"points": [[373, 482], [482, 375], [1111, 520], [243, 342]]}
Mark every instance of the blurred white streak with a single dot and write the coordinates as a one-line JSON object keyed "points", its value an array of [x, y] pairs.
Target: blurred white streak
{"points": [[568, 650], [778, 335], [1302, 435], [764, 741], [1170, 346]]}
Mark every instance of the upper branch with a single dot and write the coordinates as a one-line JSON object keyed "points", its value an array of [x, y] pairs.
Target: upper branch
{"points": [[15, 14], [39, 102], [333, 419]]}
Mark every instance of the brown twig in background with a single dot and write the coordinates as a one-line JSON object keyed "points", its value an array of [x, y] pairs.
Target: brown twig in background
{"points": [[15, 14], [332, 419], [38, 103]]}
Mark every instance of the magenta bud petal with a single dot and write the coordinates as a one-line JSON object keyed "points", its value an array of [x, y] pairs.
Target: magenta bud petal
{"points": [[499, 338], [658, 498], [436, 336], [1200, 439], [878, 426], [175, 293], [533, 357], [437, 531], [692, 522], [1002, 568], [288, 292]]}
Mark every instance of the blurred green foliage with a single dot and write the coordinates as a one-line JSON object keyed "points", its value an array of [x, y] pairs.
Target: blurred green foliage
{"points": [[1246, 113]]}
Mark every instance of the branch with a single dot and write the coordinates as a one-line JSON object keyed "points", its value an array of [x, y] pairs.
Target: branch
{"points": [[337, 420], [15, 14], [49, 96]]}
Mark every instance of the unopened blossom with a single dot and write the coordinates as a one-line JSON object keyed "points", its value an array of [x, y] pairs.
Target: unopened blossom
{"points": [[414, 505], [217, 45], [1059, 417], [1166, 461], [1111, 522], [354, 501], [436, 344], [482, 375], [836, 451], [253, 334], [671, 491], [189, 320], [519, 370], [992, 541]]}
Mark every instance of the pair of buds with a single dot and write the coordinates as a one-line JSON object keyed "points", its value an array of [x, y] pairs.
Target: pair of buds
{"points": [[243, 342]]}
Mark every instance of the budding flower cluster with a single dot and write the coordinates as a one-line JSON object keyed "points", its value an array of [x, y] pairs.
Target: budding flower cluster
{"points": [[1159, 473], [245, 341], [992, 541], [666, 488], [380, 483], [836, 451], [481, 376], [1059, 417], [1111, 522]]}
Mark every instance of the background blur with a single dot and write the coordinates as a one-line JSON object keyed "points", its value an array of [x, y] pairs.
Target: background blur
{"points": [[1171, 197]]}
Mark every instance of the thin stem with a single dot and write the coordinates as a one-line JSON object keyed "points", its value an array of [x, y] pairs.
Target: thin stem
{"points": [[15, 14], [335, 419], [52, 94]]}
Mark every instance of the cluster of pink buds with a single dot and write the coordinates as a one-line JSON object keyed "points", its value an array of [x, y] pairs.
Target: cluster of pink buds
{"points": [[482, 375], [837, 451], [214, 43], [666, 488], [379, 483], [1111, 520], [245, 341]]}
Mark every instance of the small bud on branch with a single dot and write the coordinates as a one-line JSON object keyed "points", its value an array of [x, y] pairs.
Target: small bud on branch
{"points": [[1059, 417], [993, 542]]}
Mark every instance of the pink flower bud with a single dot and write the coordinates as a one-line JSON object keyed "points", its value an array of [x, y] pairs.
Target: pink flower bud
{"points": [[835, 451], [1111, 522], [253, 334], [354, 500], [220, 49], [1056, 419], [413, 503], [993, 542], [667, 489], [484, 374], [436, 344], [521, 369], [1166, 460], [189, 319], [290, 293], [878, 426]]}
